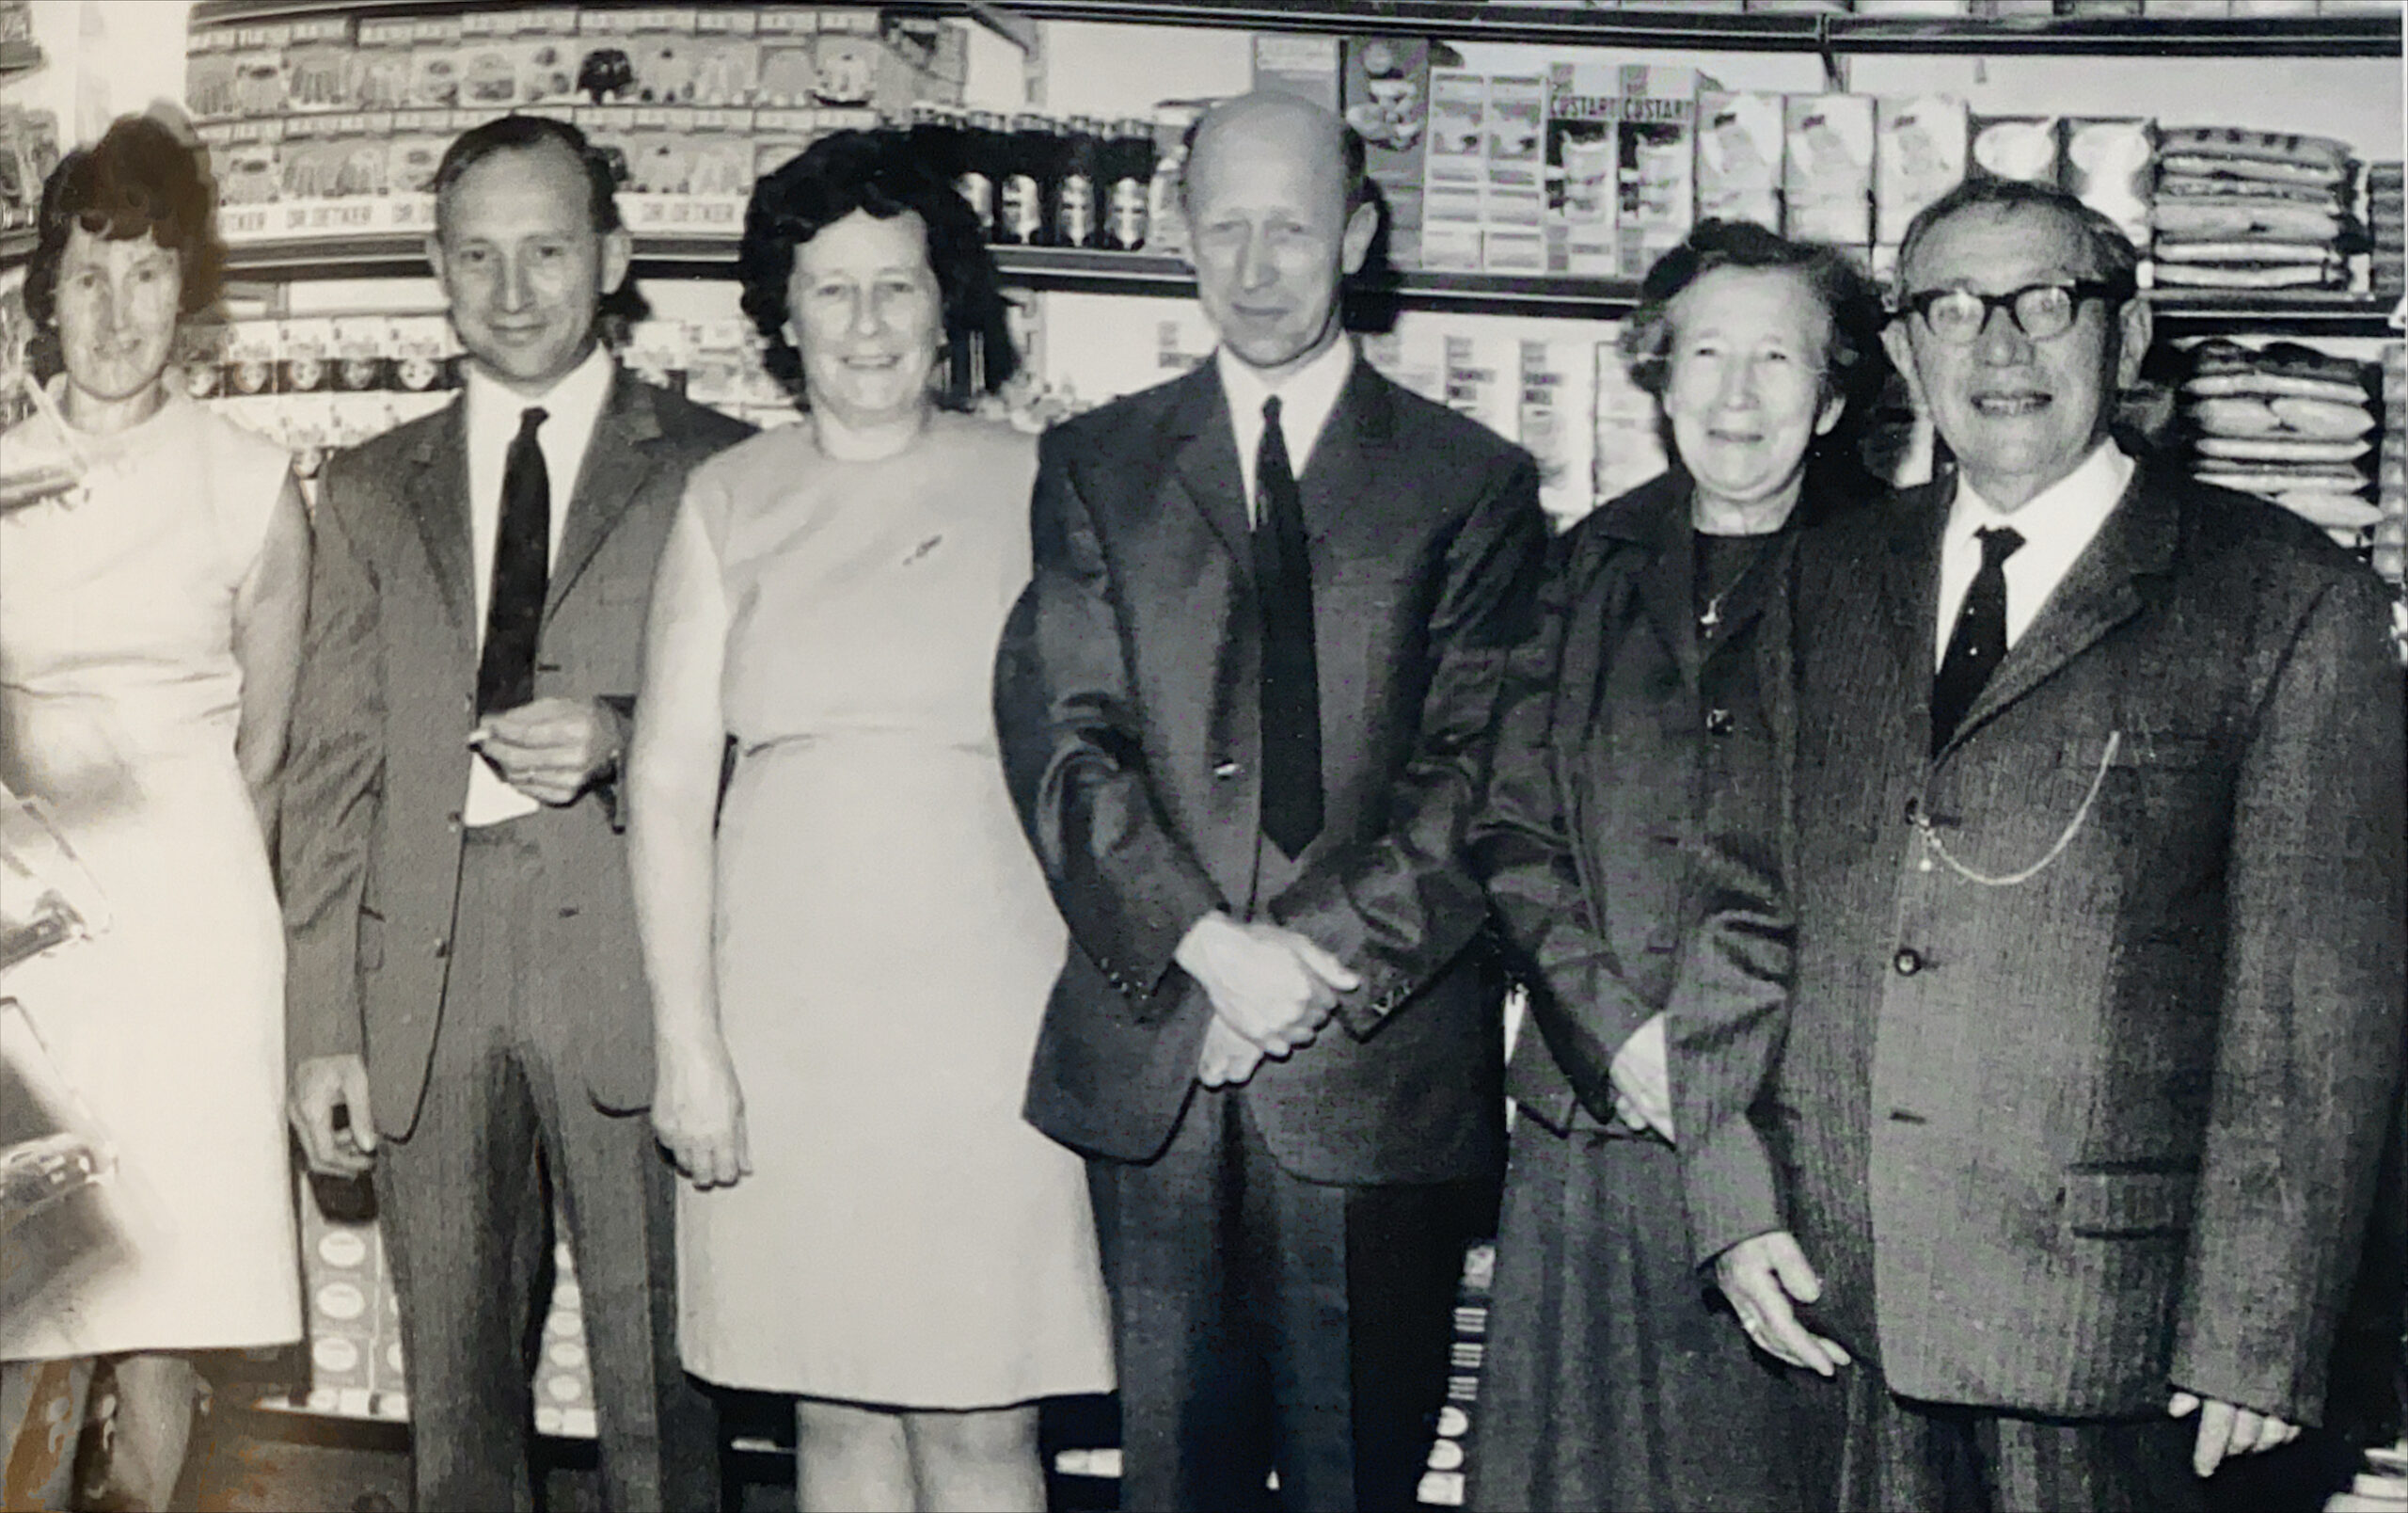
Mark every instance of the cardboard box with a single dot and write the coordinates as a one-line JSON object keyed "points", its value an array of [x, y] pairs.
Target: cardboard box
{"points": [[1827, 184], [2030, 147], [1917, 155], [1298, 65], [1455, 170], [1512, 200], [1385, 87], [2110, 164], [1741, 146], [1483, 374], [1556, 420], [1629, 445], [1650, 116]]}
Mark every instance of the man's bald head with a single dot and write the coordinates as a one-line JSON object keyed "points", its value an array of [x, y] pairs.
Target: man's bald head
{"points": [[1289, 121], [1276, 222]]}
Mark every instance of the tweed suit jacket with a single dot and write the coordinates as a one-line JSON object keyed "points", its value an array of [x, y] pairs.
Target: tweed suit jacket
{"points": [[2103, 1122], [1127, 704], [378, 770]]}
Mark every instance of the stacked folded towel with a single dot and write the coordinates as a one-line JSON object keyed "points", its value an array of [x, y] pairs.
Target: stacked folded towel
{"points": [[2287, 421], [2243, 209], [2383, 222]]}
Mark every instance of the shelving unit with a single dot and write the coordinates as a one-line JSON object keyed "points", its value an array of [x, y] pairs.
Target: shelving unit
{"points": [[1672, 27], [2311, 312], [1834, 36]]}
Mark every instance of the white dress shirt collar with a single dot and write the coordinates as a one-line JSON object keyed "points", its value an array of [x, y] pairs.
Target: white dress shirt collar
{"points": [[1306, 398], [571, 409], [2057, 526]]}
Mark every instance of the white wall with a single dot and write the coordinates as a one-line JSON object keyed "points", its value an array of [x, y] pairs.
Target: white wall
{"points": [[103, 58]]}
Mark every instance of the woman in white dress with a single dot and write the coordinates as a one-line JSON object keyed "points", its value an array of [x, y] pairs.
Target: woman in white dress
{"points": [[151, 619]]}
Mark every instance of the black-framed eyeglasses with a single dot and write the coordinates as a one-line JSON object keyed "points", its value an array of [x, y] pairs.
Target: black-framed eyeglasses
{"points": [[2040, 311]]}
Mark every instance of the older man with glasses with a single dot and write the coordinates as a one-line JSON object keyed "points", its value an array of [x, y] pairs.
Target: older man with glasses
{"points": [[2098, 876]]}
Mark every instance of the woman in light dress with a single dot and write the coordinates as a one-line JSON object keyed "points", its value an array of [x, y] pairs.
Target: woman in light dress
{"points": [[151, 620], [848, 970]]}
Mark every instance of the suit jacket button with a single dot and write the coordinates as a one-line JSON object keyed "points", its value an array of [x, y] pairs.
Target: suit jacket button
{"points": [[1718, 722], [1908, 961]]}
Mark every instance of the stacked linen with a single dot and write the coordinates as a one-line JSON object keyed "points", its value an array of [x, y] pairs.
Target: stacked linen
{"points": [[2383, 222], [2287, 421], [2391, 476], [2242, 209]]}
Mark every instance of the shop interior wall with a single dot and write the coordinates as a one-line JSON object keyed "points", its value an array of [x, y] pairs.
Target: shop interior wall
{"points": [[112, 56]]}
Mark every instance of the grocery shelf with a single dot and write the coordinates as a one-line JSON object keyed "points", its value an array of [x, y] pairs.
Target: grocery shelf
{"points": [[1671, 26], [1667, 25], [2308, 312], [2337, 36]]}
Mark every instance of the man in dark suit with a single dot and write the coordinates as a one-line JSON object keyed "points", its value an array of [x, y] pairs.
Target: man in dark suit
{"points": [[1242, 707], [2098, 879], [467, 1012]]}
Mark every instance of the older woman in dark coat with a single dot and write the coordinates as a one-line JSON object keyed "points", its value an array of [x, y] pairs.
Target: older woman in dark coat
{"points": [[1630, 843]]}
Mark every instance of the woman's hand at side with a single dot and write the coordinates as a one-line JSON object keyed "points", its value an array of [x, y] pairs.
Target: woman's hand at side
{"points": [[698, 1112], [673, 775]]}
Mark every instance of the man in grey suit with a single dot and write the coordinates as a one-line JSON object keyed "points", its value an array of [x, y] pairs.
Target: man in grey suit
{"points": [[1243, 708], [467, 1012], [2097, 872]]}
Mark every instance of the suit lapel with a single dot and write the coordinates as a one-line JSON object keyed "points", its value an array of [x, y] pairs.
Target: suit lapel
{"points": [[1668, 585], [437, 490], [1908, 573], [1204, 462], [616, 465], [1341, 484], [2096, 594]]}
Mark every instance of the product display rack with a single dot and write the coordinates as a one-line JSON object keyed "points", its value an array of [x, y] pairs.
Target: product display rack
{"points": [[1674, 27], [2319, 313]]}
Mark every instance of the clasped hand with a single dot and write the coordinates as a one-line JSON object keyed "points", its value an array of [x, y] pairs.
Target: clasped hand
{"points": [[550, 749], [1271, 988]]}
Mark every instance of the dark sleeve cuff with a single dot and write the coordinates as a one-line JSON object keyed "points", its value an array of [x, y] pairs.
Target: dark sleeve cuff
{"points": [[1727, 1179]]}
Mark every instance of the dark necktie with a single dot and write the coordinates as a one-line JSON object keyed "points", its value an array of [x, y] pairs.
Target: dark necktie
{"points": [[522, 552], [1290, 677], [1978, 644]]}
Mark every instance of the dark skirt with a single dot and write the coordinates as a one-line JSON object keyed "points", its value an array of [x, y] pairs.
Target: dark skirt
{"points": [[1615, 1377]]}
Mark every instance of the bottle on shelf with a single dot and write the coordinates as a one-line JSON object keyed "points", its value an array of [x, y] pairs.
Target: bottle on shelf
{"points": [[1128, 174]]}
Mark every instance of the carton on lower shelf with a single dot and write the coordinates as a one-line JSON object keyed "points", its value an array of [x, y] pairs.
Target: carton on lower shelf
{"points": [[1557, 399], [1828, 181]]}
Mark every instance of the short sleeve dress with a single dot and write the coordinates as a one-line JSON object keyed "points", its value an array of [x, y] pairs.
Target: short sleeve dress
{"points": [[120, 697], [885, 943]]}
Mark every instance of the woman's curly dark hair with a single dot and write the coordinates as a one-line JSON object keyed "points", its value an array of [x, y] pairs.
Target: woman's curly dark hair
{"points": [[137, 178], [873, 171], [1854, 365]]}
